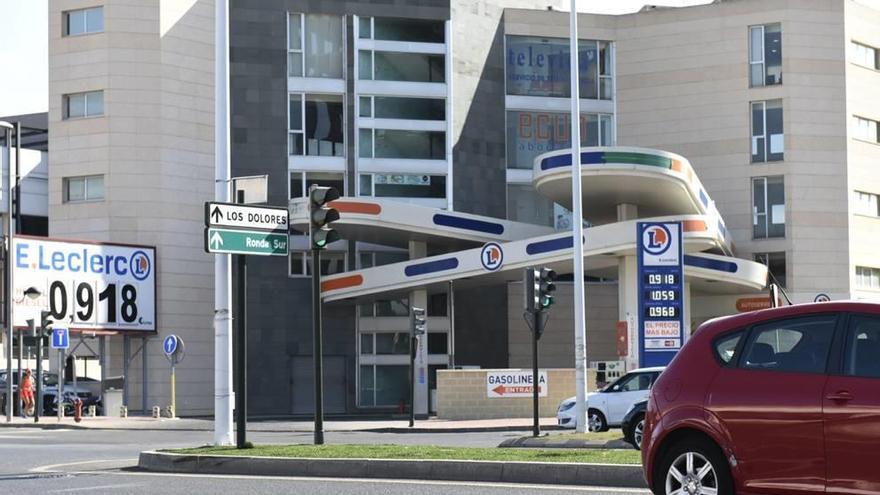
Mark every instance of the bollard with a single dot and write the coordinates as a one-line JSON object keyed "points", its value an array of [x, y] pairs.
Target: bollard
{"points": [[123, 411], [156, 412], [93, 411], [169, 411]]}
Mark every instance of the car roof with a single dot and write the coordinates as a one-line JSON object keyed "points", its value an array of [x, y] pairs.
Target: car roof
{"points": [[647, 370], [743, 319]]}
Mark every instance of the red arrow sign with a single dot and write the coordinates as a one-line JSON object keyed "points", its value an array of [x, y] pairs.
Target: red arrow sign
{"points": [[501, 390]]}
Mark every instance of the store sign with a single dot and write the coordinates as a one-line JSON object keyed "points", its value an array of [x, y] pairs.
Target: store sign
{"points": [[514, 383], [530, 134], [86, 285], [541, 66], [661, 291]]}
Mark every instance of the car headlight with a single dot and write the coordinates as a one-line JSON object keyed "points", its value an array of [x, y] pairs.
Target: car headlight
{"points": [[566, 406]]}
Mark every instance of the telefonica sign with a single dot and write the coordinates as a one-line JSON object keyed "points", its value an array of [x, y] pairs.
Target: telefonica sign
{"points": [[541, 66]]}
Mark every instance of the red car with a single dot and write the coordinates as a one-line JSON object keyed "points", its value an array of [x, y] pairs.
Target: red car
{"points": [[779, 401]]}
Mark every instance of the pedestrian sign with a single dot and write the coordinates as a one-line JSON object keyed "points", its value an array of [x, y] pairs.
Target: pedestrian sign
{"points": [[60, 338], [169, 345]]}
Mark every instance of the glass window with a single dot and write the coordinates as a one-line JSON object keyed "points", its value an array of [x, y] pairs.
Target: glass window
{"points": [[296, 185], [775, 263], [768, 207], [388, 257], [438, 343], [424, 145], [365, 146], [367, 343], [792, 345], [323, 46], [324, 125], [410, 67], [606, 83], [404, 186], [865, 204], [365, 105], [294, 45], [767, 133], [438, 304], [367, 382], [365, 27], [725, 347], [388, 107], [633, 383], [392, 385], [76, 189], [865, 129], [397, 307], [297, 263], [418, 30], [867, 277], [332, 262], [765, 55], [541, 67], [77, 105], [366, 184], [865, 55], [863, 347], [88, 188], [392, 343], [531, 133], [524, 204], [365, 64], [330, 179], [83, 21]]}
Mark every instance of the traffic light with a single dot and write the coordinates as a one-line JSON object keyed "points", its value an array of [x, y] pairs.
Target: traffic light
{"points": [[546, 288], [417, 321], [321, 215], [46, 322], [532, 288]]}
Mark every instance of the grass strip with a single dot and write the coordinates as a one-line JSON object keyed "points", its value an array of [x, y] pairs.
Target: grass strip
{"points": [[412, 452]]}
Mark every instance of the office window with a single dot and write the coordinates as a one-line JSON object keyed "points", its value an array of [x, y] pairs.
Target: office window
{"points": [[332, 262], [389, 107], [391, 143], [768, 140], [300, 182], [315, 125], [775, 263], [397, 29], [865, 55], [86, 188], [538, 66], [403, 186], [765, 55], [438, 343], [865, 204], [867, 278], [399, 66], [865, 129], [315, 45], [78, 105], [531, 133], [383, 385], [83, 21], [768, 207]]}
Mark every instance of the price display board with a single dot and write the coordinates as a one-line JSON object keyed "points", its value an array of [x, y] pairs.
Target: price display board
{"points": [[85, 286], [661, 319]]}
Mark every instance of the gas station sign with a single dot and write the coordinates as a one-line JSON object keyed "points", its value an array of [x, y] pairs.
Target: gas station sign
{"points": [[660, 284]]}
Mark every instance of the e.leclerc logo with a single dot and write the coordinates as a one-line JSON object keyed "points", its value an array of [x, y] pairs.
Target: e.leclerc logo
{"points": [[491, 256], [81, 259], [139, 265], [656, 239]]}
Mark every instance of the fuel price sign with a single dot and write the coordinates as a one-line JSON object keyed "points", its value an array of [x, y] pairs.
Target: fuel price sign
{"points": [[660, 292]]}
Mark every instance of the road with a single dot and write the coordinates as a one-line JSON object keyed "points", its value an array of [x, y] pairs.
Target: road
{"points": [[103, 461]]}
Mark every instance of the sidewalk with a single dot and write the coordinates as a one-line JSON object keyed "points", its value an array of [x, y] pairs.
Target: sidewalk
{"points": [[206, 424]]}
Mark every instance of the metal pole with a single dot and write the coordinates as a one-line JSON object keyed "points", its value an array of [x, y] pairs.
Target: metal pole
{"points": [[102, 346], [7, 261], [126, 361], [317, 337], [577, 223], [412, 371], [222, 269], [20, 371], [60, 394], [144, 381], [38, 407], [241, 356], [16, 214], [536, 423], [451, 325], [173, 389]]}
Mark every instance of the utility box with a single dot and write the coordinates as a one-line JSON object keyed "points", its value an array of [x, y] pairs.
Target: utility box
{"points": [[112, 401]]}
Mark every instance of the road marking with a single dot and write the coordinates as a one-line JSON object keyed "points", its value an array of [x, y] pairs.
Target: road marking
{"points": [[98, 487]]}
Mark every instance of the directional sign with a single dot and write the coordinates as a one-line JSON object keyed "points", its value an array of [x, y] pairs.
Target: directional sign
{"points": [[60, 338], [169, 345], [514, 383], [245, 217], [245, 242]]}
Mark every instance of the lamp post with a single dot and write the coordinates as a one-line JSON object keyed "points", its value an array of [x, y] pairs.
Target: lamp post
{"points": [[8, 128]]}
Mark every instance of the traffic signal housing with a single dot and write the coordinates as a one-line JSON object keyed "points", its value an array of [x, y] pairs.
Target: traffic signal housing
{"points": [[546, 288], [539, 288], [46, 322], [417, 320], [321, 215]]}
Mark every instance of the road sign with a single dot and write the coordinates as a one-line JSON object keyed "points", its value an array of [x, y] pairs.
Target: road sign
{"points": [[169, 345], [245, 242], [822, 297], [60, 338], [245, 217], [661, 290], [514, 383]]}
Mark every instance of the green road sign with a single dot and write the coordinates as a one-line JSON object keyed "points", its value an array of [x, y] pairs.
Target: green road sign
{"points": [[245, 242]]}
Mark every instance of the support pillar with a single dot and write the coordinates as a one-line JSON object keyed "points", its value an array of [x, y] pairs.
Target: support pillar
{"points": [[628, 291], [419, 299]]}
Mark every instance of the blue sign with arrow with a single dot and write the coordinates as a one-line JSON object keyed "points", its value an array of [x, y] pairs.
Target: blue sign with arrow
{"points": [[60, 338], [169, 345]]}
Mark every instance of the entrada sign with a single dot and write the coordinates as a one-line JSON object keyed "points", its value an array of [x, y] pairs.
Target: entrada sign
{"points": [[514, 383]]}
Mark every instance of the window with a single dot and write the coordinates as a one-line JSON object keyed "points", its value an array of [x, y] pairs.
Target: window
{"points": [[866, 129], [300, 182], [316, 125], [438, 343], [87, 188], [867, 278], [314, 45], [765, 55], [403, 186], [397, 29], [524, 204], [633, 383], [863, 347], [332, 262], [531, 133], [865, 55], [400, 66], [725, 347], [768, 207], [387, 107], [540, 67], [83, 21], [383, 385], [392, 143], [767, 138], [78, 105], [438, 304], [775, 263], [793, 345], [865, 204]]}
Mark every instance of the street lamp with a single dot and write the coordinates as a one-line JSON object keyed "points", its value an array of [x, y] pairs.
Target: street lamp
{"points": [[7, 131]]}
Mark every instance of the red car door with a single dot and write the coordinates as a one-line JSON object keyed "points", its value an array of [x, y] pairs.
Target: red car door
{"points": [[852, 412], [770, 403]]}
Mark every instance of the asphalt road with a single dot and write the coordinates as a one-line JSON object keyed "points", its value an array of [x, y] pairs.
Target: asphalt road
{"points": [[35, 461]]}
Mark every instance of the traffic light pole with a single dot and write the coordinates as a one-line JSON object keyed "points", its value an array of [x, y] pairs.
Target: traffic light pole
{"points": [[38, 379], [536, 423], [241, 356], [317, 337], [412, 380]]}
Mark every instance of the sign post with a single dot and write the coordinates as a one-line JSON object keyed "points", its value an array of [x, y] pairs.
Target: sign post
{"points": [[173, 347], [60, 341], [661, 291]]}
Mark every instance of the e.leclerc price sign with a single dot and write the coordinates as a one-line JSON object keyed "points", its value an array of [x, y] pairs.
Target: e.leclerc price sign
{"points": [[660, 292], [88, 286]]}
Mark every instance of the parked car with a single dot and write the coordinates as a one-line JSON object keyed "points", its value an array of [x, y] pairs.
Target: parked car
{"points": [[633, 424], [784, 400], [607, 407]]}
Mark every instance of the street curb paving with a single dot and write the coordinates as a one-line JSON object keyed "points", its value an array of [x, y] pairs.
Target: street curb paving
{"points": [[551, 473]]}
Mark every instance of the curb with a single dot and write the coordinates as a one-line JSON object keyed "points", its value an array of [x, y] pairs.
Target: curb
{"points": [[545, 443], [550, 473]]}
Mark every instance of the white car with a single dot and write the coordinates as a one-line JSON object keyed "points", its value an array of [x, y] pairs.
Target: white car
{"points": [[607, 407]]}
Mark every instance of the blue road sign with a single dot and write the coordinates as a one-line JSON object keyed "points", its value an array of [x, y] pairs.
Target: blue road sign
{"points": [[169, 345], [661, 292], [60, 338]]}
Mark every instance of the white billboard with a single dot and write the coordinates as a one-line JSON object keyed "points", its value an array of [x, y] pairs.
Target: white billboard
{"points": [[84, 285]]}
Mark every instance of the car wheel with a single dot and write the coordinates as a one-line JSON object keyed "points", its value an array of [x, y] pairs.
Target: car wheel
{"points": [[596, 421], [638, 431], [694, 467]]}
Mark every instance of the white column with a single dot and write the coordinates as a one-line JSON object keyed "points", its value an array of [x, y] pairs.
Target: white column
{"points": [[686, 303], [628, 306], [419, 299]]}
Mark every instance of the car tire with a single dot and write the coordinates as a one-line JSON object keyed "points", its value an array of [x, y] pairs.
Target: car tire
{"points": [[596, 421], [692, 465], [637, 428]]}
